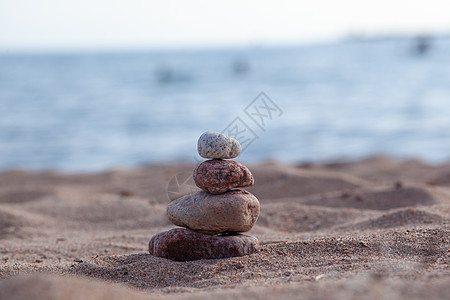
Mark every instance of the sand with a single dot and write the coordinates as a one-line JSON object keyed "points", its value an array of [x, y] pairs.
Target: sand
{"points": [[372, 229]]}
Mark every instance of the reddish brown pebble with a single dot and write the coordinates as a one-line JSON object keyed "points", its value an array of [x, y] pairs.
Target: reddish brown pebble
{"points": [[233, 211], [219, 176], [184, 245]]}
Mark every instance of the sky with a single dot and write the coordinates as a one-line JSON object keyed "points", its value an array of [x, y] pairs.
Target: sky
{"points": [[132, 24]]}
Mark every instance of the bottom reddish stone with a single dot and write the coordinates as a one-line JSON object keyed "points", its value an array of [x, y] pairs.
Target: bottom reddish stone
{"points": [[182, 244]]}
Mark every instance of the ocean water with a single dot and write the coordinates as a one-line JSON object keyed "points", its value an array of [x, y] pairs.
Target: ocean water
{"points": [[347, 100]]}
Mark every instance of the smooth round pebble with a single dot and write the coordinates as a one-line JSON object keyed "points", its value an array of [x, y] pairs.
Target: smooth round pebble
{"points": [[219, 176], [214, 145], [182, 244], [233, 211]]}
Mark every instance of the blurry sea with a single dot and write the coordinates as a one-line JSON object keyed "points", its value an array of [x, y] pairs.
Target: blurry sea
{"points": [[347, 100]]}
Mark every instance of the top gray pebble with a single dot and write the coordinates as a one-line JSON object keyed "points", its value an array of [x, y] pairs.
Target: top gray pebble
{"points": [[214, 145]]}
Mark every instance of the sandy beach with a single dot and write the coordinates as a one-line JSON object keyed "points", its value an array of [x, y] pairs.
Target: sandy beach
{"points": [[371, 229]]}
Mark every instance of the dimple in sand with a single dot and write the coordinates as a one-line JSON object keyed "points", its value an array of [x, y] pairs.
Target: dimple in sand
{"points": [[213, 219]]}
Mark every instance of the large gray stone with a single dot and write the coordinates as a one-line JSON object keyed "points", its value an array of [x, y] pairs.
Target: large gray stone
{"points": [[183, 245], [214, 145], [233, 211]]}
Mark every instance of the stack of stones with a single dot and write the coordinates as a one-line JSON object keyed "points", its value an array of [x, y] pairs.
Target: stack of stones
{"points": [[214, 217]]}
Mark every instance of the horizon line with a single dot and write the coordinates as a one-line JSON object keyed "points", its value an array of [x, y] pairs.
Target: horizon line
{"points": [[355, 36]]}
